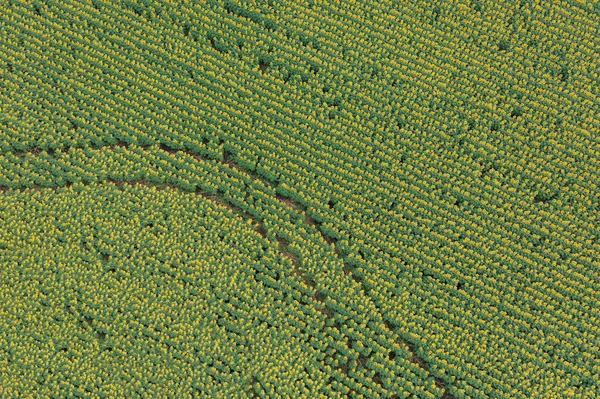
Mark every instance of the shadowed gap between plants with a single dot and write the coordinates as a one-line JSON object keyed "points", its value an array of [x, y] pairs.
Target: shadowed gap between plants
{"points": [[282, 248]]}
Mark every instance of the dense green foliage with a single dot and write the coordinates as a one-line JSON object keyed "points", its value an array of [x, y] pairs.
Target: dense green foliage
{"points": [[154, 288], [327, 199]]}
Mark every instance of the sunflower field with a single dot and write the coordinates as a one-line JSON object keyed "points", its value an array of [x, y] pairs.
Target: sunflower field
{"points": [[300, 199]]}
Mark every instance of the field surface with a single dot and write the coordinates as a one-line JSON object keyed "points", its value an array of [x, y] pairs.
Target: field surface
{"points": [[300, 199]]}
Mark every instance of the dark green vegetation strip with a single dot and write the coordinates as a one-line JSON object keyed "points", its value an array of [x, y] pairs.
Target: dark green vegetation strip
{"points": [[331, 315], [431, 170]]}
